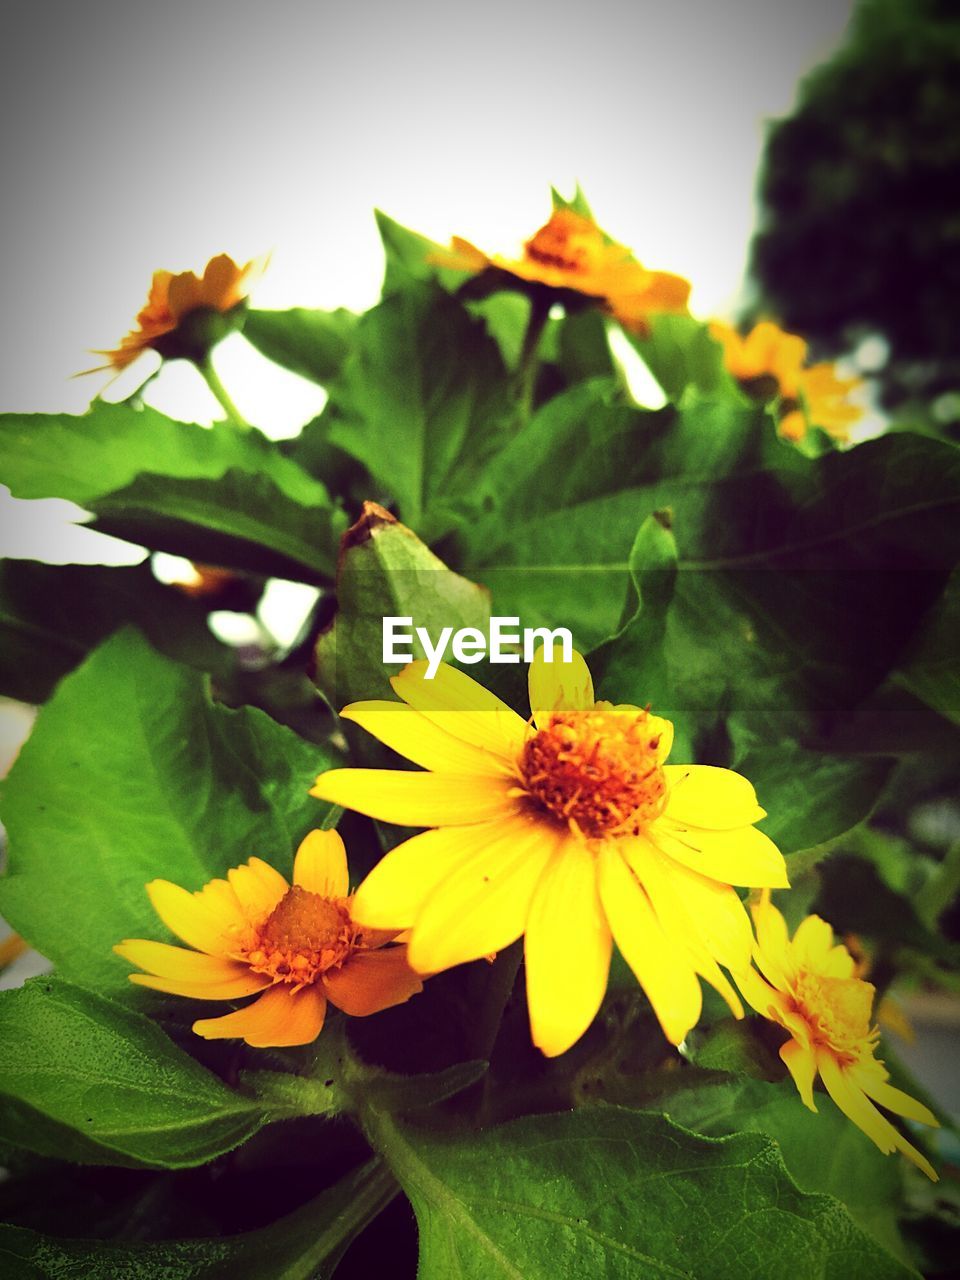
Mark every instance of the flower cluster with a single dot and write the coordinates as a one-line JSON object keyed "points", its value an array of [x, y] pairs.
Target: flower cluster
{"points": [[770, 363]]}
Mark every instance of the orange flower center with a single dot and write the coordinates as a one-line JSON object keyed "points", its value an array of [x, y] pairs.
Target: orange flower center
{"points": [[598, 770], [303, 936], [837, 1010], [567, 242]]}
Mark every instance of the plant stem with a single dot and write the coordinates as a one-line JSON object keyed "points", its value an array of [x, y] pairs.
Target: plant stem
{"points": [[500, 986], [529, 364], [212, 379]]}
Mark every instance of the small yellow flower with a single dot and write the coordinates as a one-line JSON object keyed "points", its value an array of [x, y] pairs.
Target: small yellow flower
{"points": [[172, 298], [769, 362], [810, 987], [569, 829], [571, 254], [298, 946]]}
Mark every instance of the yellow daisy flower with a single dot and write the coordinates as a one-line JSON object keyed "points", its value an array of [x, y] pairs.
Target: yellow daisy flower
{"points": [[298, 946], [569, 829], [810, 987], [223, 286], [770, 362], [571, 254]]}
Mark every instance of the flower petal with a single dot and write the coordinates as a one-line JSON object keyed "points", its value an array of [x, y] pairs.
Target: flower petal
{"points": [[812, 943], [743, 856], [567, 950], [663, 969], [895, 1100], [481, 906], [558, 685], [258, 886], [462, 707], [697, 904], [421, 740], [801, 1061], [854, 1104], [705, 796], [245, 984], [203, 920], [165, 961], [418, 799], [685, 917], [760, 995], [321, 865], [392, 894], [372, 980], [281, 1017]]}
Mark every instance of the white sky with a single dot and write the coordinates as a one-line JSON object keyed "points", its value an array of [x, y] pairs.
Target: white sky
{"points": [[190, 129]]}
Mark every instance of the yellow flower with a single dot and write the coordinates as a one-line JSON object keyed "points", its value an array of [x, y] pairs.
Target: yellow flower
{"points": [[172, 298], [571, 254], [769, 362], [569, 829], [810, 987], [298, 946]]}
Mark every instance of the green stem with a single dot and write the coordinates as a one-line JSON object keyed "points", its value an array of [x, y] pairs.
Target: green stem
{"points": [[212, 379], [500, 986], [529, 363]]}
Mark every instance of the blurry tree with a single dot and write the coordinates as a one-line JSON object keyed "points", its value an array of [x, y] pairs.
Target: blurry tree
{"points": [[860, 200]]}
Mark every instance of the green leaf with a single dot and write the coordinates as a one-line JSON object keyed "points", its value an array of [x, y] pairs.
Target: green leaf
{"points": [[132, 773], [823, 1152], [616, 1193], [311, 343], [578, 204], [336, 1079], [931, 670], [386, 571], [800, 581], [207, 493], [51, 616], [681, 354], [422, 402], [85, 1079], [407, 255], [562, 502], [811, 797], [306, 1245]]}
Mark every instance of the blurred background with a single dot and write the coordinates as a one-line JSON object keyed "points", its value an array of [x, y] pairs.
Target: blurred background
{"points": [[793, 160]]}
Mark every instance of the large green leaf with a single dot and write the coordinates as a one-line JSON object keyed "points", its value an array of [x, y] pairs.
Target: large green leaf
{"points": [[422, 402], [823, 1152], [51, 616], [385, 570], [565, 497], [82, 1078], [213, 494], [311, 343], [306, 1245], [931, 669], [621, 1194], [812, 797], [131, 773], [799, 583], [680, 353]]}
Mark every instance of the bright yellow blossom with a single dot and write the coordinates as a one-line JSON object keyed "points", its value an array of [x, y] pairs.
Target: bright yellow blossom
{"points": [[769, 362], [571, 254], [809, 986], [298, 946], [223, 286], [569, 829]]}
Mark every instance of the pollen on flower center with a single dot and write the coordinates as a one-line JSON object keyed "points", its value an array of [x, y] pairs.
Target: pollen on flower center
{"points": [[303, 936], [837, 1010], [566, 241], [598, 770]]}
